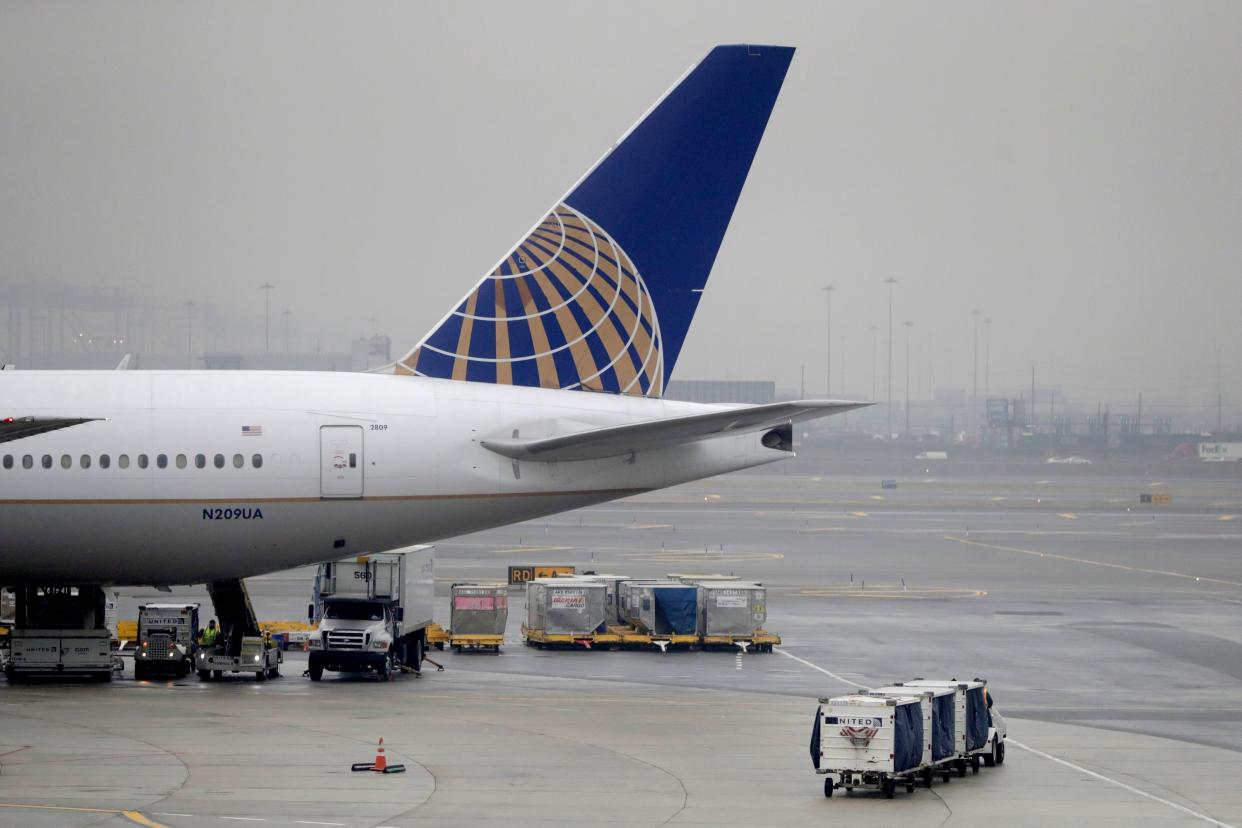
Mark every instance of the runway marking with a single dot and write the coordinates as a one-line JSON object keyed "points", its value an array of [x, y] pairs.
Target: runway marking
{"points": [[1156, 483], [828, 673], [1120, 784], [532, 549], [259, 819], [1225, 517], [859, 514], [649, 526], [1089, 562], [308, 822], [1068, 516], [890, 591], [877, 497], [822, 529], [997, 499], [132, 816], [696, 556]]}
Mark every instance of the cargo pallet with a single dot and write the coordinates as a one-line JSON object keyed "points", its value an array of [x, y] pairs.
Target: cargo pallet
{"points": [[761, 641], [489, 643], [618, 637], [437, 636]]}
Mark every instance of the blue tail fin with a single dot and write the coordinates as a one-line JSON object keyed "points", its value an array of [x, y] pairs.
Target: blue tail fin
{"points": [[600, 294]]}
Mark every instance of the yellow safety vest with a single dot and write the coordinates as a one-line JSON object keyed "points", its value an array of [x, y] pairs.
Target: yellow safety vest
{"points": [[209, 636]]}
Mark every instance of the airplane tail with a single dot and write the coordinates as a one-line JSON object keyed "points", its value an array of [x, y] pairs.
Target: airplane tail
{"points": [[599, 295]]}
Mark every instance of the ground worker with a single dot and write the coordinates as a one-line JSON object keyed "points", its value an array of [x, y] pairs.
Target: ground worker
{"points": [[209, 636]]}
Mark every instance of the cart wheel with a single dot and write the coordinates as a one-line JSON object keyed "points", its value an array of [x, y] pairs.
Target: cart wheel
{"points": [[1000, 753], [927, 777], [828, 786], [960, 765], [909, 787], [974, 763], [204, 675], [946, 777], [989, 759], [889, 787], [217, 674], [440, 646]]}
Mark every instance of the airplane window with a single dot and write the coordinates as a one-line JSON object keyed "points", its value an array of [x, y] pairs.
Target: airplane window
{"points": [[142, 461], [256, 461], [8, 461], [162, 461], [47, 461], [238, 461], [86, 461], [27, 462], [66, 462], [181, 461], [219, 461], [123, 461], [104, 461], [200, 461]]}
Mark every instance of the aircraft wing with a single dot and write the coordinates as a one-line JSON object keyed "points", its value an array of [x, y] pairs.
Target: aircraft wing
{"points": [[612, 441], [15, 428]]}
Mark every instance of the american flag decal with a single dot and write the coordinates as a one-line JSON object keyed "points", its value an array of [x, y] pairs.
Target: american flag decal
{"points": [[252, 431]]}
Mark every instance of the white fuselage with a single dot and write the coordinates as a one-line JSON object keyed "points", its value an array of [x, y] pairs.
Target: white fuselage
{"points": [[349, 463]]}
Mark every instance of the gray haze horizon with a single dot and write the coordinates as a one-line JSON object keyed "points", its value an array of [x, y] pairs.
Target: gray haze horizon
{"points": [[1072, 171]]}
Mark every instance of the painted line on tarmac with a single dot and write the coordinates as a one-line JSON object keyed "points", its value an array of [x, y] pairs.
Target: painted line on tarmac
{"points": [[1119, 784], [828, 673], [132, 816], [1089, 562]]}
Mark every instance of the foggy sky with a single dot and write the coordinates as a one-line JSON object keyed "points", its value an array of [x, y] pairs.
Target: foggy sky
{"points": [[1074, 171]]}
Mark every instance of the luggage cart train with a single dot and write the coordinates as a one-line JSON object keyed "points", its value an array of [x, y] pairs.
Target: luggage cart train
{"points": [[680, 612], [906, 733]]}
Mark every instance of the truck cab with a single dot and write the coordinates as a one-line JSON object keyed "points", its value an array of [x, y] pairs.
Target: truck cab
{"points": [[373, 611], [166, 635]]}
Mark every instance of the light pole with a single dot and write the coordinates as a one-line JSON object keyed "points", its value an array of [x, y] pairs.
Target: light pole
{"points": [[987, 356], [189, 329], [890, 281], [286, 313], [909, 324], [874, 349], [267, 288], [974, 388], [828, 294]]}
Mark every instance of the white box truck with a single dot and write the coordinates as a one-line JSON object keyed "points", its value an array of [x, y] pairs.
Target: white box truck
{"points": [[59, 630], [373, 612], [166, 635]]}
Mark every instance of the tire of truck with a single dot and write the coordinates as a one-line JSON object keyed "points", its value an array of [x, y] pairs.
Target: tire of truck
{"points": [[261, 675], [960, 766], [216, 675], [420, 644], [183, 669], [888, 787], [828, 786], [1000, 753], [204, 675], [315, 669], [974, 763], [989, 759]]}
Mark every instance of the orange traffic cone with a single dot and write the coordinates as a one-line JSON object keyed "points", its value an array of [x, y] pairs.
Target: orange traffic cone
{"points": [[380, 765], [381, 761]]}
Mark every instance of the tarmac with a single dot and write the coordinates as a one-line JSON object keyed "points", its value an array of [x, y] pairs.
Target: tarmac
{"points": [[1108, 630]]}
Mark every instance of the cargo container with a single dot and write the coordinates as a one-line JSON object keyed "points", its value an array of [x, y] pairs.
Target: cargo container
{"points": [[661, 608], [612, 593], [979, 731], [865, 741], [479, 613], [562, 609], [939, 749], [732, 608]]}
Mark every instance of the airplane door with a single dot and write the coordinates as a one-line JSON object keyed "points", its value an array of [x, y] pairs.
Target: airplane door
{"points": [[340, 461]]}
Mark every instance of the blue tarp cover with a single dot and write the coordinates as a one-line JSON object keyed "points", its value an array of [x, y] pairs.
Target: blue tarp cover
{"points": [[976, 719], [819, 715], [942, 726], [677, 610], [907, 737]]}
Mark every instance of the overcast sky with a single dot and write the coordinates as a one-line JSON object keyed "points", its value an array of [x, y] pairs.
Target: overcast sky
{"points": [[1073, 170]]}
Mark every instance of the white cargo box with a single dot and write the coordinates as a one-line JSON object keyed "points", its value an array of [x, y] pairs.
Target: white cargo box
{"points": [[868, 741], [971, 719]]}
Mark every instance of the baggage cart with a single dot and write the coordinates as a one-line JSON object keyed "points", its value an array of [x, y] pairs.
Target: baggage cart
{"points": [[939, 748], [563, 611], [865, 741], [975, 737], [479, 613], [665, 609], [733, 613]]}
